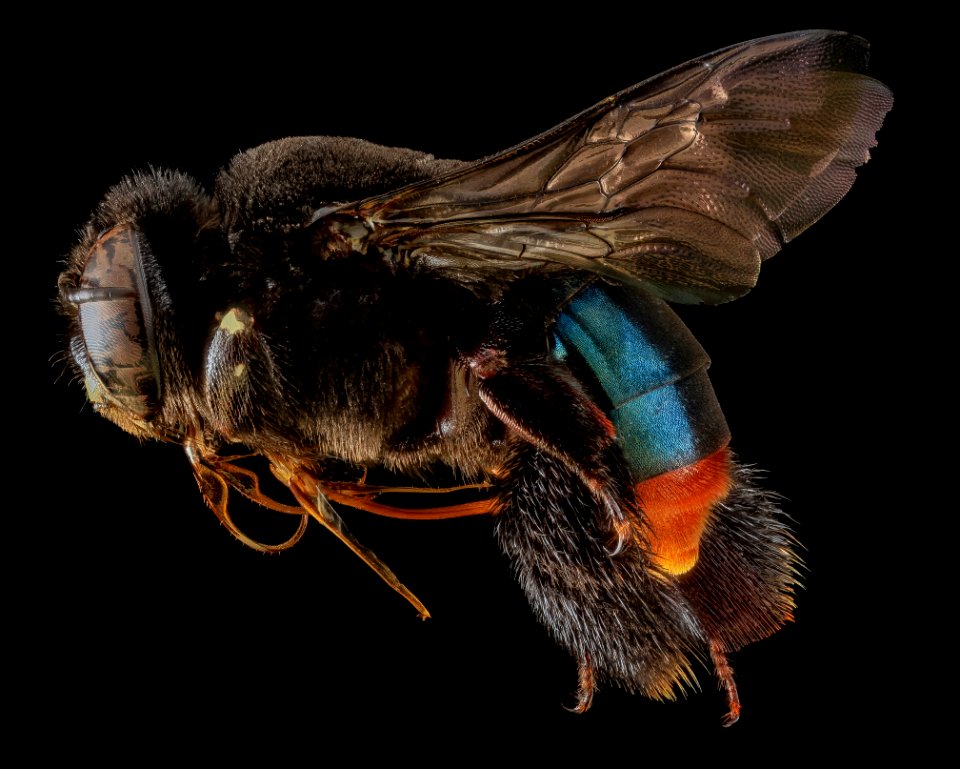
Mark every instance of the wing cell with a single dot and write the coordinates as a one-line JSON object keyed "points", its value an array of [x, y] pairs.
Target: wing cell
{"points": [[684, 183]]}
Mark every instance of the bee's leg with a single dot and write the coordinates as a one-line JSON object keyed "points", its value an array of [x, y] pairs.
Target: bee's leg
{"points": [[741, 586], [618, 615], [725, 674], [588, 685], [543, 403]]}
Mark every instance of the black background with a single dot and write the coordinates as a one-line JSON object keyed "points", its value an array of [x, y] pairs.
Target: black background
{"points": [[140, 618]]}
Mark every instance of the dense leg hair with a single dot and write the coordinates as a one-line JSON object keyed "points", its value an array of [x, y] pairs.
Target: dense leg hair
{"points": [[624, 621], [742, 586]]}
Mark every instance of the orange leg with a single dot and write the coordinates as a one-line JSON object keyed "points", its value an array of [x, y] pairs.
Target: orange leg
{"points": [[725, 674]]}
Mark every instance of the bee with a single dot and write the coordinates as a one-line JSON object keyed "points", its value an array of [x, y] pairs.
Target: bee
{"points": [[427, 338]]}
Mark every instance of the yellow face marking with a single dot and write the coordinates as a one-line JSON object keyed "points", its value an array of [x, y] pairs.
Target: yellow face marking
{"points": [[235, 321], [239, 370]]}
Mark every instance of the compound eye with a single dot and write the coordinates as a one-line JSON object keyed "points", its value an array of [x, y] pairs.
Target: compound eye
{"points": [[116, 324]]}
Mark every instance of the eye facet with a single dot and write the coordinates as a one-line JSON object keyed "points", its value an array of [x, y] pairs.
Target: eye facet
{"points": [[119, 354]]}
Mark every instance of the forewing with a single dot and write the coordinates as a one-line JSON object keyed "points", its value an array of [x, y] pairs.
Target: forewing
{"points": [[684, 183]]}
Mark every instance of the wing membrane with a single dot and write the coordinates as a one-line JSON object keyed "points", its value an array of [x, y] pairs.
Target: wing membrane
{"points": [[684, 183]]}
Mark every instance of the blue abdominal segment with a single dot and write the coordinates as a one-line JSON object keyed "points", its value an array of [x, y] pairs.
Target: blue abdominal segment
{"points": [[651, 369]]}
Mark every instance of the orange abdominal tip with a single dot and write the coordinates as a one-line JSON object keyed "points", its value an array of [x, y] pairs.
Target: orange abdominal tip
{"points": [[677, 506]]}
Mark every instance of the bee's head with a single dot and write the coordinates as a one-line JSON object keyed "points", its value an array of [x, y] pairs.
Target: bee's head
{"points": [[115, 291]]}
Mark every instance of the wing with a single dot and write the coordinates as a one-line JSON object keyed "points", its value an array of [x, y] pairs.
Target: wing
{"points": [[683, 183]]}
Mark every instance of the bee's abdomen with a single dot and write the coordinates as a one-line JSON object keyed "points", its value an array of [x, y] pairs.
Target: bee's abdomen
{"points": [[677, 506], [652, 373], [704, 521]]}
